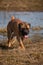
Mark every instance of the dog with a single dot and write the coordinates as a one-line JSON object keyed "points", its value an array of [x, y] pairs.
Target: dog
{"points": [[19, 30]]}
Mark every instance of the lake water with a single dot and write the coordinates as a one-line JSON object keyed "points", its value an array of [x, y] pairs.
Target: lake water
{"points": [[35, 18]]}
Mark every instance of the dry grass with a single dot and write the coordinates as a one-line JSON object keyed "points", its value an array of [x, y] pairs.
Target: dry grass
{"points": [[37, 28], [4, 30], [21, 5], [33, 54]]}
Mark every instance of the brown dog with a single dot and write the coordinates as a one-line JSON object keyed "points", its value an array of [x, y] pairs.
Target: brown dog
{"points": [[17, 29], [24, 29]]}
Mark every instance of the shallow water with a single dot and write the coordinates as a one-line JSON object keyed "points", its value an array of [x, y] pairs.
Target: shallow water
{"points": [[35, 18]]}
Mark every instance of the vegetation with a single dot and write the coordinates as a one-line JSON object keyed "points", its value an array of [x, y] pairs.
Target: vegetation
{"points": [[4, 30], [32, 55], [21, 5]]}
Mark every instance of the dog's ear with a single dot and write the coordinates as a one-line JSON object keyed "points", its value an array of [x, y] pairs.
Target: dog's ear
{"points": [[29, 24]]}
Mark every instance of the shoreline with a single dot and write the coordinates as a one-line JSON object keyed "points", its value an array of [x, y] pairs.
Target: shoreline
{"points": [[19, 10], [33, 28], [21, 5]]}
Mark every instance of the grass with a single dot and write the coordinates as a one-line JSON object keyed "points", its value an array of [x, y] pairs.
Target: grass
{"points": [[33, 54], [37, 28], [4, 30], [24, 5]]}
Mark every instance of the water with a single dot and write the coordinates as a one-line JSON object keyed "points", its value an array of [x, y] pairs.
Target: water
{"points": [[35, 18]]}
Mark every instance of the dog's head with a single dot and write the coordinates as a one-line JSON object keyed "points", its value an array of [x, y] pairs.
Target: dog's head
{"points": [[24, 28]]}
